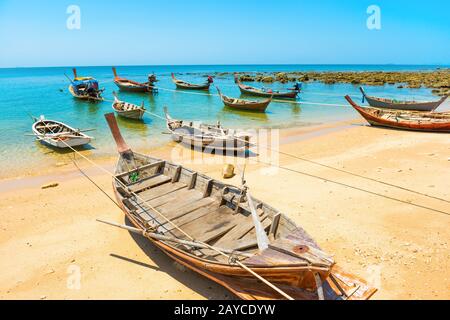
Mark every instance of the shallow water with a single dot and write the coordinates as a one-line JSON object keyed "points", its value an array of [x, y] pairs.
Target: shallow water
{"points": [[43, 91]]}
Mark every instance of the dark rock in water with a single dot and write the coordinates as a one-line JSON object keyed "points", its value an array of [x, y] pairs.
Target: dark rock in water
{"points": [[268, 79]]}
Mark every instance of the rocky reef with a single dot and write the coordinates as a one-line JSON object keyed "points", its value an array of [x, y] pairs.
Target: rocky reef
{"points": [[438, 80]]}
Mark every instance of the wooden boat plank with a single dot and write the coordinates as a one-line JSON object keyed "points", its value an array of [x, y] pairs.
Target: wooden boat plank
{"points": [[181, 210], [172, 198], [193, 215], [161, 190], [237, 233], [149, 183], [220, 218]]}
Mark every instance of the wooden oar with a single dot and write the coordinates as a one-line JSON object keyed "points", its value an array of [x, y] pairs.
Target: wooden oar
{"points": [[161, 237]]}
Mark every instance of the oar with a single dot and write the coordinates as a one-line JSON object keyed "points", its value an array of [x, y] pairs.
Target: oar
{"points": [[161, 237], [261, 236]]}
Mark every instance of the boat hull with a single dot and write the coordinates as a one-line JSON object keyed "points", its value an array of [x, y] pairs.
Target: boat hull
{"points": [[426, 106], [133, 88], [425, 124], [133, 114]]}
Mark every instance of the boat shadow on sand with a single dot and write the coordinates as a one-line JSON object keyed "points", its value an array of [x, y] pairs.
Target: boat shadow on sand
{"points": [[49, 149], [193, 281]]}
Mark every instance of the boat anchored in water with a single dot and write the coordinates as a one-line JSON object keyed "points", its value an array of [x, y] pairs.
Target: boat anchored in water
{"points": [[208, 136], [134, 86], [190, 86], [243, 104], [85, 88], [402, 105], [291, 94]]}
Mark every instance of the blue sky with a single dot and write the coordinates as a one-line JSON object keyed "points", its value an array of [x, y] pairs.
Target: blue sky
{"points": [[34, 33]]}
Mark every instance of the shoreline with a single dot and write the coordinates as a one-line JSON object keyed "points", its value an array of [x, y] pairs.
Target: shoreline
{"points": [[52, 232]]}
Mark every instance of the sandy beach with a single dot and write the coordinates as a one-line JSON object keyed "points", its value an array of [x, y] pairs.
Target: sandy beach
{"points": [[50, 236]]}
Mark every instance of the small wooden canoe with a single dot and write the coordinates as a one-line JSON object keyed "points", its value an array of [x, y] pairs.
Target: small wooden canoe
{"points": [[402, 105], [85, 88], [58, 134], [190, 86], [134, 86], [292, 94], [207, 136], [128, 110], [402, 119], [173, 205], [243, 104]]}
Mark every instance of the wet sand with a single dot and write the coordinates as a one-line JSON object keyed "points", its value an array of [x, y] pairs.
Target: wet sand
{"points": [[52, 247]]}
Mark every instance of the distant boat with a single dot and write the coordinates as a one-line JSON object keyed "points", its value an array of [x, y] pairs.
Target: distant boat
{"points": [[190, 86], [134, 86], [128, 110], [404, 119], [242, 104], [208, 136], [292, 94], [58, 134], [402, 105], [85, 88]]}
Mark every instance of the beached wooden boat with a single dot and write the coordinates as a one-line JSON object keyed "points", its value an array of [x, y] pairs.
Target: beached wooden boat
{"points": [[190, 86], [402, 105], [291, 94], [207, 136], [172, 205], [403, 119], [127, 110], [58, 134], [85, 88], [243, 104], [134, 86]]}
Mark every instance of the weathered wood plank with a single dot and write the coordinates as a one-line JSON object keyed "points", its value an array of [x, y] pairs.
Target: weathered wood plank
{"points": [[185, 208], [149, 183], [220, 218], [193, 215], [240, 231]]}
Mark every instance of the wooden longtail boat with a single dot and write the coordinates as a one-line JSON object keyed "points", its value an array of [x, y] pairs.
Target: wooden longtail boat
{"points": [[209, 136], [134, 86], [128, 110], [243, 104], [402, 105], [402, 119], [173, 205], [85, 88], [292, 94], [58, 134], [190, 86]]}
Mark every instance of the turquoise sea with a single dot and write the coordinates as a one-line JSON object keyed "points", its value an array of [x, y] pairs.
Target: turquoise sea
{"points": [[43, 91]]}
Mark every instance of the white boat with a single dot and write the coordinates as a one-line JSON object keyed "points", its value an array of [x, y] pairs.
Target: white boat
{"points": [[127, 110], [208, 136], [58, 134]]}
